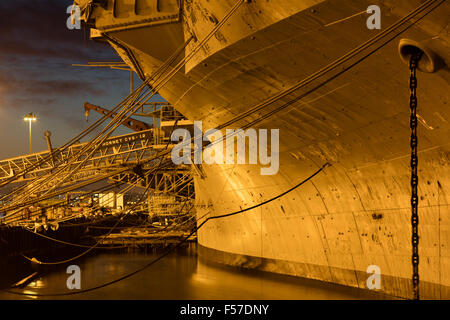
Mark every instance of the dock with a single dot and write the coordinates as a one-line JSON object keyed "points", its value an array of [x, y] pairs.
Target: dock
{"points": [[138, 239]]}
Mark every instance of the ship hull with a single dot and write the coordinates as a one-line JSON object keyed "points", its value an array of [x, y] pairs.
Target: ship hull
{"points": [[356, 212]]}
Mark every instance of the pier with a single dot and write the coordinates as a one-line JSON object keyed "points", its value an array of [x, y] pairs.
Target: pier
{"points": [[135, 238]]}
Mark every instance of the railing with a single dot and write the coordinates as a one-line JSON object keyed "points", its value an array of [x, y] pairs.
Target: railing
{"points": [[159, 110], [114, 151]]}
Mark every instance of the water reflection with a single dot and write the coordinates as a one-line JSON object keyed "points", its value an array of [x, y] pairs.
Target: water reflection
{"points": [[181, 276]]}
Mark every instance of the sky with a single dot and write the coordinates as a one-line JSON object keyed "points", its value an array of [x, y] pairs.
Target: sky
{"points": [[37, 51]]}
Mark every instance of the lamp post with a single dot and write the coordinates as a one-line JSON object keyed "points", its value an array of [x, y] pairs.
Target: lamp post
{"points": [[30, 118]]}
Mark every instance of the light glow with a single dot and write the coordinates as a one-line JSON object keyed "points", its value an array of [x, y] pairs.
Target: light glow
{"points": [[30, 117]]}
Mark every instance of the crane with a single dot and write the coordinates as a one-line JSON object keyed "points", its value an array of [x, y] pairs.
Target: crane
{"points": [[131, 123]]}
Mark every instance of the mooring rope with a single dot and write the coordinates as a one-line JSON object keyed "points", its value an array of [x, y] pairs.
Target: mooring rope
{"points": [[177, 245]]}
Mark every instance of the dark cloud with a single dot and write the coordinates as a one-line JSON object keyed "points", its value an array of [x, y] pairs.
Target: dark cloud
{"points": [[11, 86], [47, 104], [18, 48], [38, 28], [37, 51], [33, 37]]}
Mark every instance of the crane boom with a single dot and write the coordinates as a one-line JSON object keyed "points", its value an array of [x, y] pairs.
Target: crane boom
{"points": [[131, 123]]}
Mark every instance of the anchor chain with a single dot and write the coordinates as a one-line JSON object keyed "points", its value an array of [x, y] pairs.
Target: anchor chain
{"points": [[414, 178]]}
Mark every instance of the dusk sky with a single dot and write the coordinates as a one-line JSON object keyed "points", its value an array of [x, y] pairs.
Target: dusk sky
{"points": [[37, 51]]}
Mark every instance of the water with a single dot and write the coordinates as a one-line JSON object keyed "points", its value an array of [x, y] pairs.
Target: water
{"points": [[181, 275]]}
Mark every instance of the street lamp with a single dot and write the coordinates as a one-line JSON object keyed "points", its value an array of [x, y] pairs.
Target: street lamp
{"points": [[30, 118]]}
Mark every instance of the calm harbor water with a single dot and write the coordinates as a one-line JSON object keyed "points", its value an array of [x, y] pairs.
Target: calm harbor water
{"points": [[181, 275]]}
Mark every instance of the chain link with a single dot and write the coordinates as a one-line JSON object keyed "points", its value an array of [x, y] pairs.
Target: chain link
{"points": [[414, 178]]}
